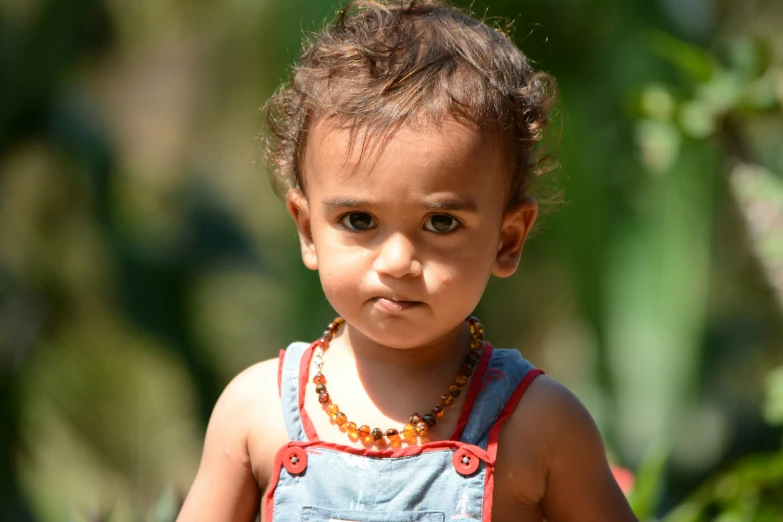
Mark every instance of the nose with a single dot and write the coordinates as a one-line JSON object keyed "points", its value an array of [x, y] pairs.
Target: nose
{"points": [[397, 257]]}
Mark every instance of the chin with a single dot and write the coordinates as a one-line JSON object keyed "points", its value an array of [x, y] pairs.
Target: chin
{"points": [[393, 332]]}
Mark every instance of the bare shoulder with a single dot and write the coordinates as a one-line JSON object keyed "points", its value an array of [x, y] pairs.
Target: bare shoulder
{"points": [[257, 382], [571, 478], [238, 448], [255, 397], [554, 408], [250, 401]]}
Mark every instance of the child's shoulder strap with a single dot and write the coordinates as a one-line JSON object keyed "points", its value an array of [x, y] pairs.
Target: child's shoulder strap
{"points": [[505, 380], [289, 380]]}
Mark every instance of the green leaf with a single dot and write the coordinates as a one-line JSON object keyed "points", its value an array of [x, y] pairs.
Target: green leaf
{"points": [[649, 483], [773, 405], [691, 59]]}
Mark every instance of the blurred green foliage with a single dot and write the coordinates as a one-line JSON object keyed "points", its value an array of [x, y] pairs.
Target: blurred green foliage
{"points": [[144, 260]]}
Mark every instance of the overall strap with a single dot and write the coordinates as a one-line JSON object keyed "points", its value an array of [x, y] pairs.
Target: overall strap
{"points": [[289, 377], [504, 381]]}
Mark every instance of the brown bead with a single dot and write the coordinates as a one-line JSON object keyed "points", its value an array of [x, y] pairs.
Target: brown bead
{"points": [[364, 431], [323, 398], [332, 409], [422, 428], [377, 434], [415, 419], [320, 389], [446, 399], [392, 434], [429, 419], [327, 335], [318, 378], [438, 412], [461, 380], [454, 391], [476, 345], [465, 370], [471, 360], [409, 432], [350, 427]]}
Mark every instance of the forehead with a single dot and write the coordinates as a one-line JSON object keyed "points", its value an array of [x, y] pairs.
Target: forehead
{"points": [[447, 156]]}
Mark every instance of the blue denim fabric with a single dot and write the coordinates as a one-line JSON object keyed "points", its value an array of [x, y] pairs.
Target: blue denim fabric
{"points": [[338, 485]]}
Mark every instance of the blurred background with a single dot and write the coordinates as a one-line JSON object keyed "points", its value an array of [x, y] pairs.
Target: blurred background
{"points": [[144, 260]]}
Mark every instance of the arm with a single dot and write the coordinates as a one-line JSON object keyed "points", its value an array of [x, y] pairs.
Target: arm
{"points": [[225, 487], [578, 484]]}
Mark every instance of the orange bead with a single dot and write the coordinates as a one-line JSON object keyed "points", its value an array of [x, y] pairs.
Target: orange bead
{"points": [[461, 380], [422, 428], [340, 418], [409, 432], [318, 378], [364, 431], [446, 399], [438, 412], [332, 409], [350, 427]]}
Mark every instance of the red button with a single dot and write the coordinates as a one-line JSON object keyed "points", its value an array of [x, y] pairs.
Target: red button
{"points": [[295, 460], [465, 462]]}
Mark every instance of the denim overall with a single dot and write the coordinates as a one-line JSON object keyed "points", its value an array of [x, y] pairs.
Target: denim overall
{"points": [[439, 481]]}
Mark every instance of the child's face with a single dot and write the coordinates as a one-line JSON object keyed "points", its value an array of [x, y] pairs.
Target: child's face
{"points": [[405, 240]]}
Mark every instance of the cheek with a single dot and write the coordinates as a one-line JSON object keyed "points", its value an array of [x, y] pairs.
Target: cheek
{"points": [[457, 276], [340, 271]]}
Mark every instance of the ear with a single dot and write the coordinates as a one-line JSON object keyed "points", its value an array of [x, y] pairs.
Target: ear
{"points": [[517, 222], [299, 208]]}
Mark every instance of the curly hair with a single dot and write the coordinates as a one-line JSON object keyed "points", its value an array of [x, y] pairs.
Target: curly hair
{"points": [[384, 63]]}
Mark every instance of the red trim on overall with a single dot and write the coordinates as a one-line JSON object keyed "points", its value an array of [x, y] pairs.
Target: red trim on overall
{"points": [[473, 391], [269, 507], [393, 453], [280, 373], [492, 442]]}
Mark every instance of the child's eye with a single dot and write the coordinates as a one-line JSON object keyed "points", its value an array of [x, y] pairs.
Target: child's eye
{"points": [[441, 223], [358, 221]]}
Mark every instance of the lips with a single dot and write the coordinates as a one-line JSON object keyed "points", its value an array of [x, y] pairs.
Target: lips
{"points": [[393, 305]]}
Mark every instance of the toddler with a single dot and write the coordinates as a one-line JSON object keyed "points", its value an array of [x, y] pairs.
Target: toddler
{"points": [[405, 146]]}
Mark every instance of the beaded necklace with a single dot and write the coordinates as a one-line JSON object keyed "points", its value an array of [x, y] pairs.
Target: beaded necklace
{"points": [[418, 424]]}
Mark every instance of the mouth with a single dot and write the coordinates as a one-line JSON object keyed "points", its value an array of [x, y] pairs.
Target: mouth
{"points": [[393, 305]]}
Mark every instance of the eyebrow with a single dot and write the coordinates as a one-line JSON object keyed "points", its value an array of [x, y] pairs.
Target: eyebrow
{"points": [[340, 202], [451, 204]]}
